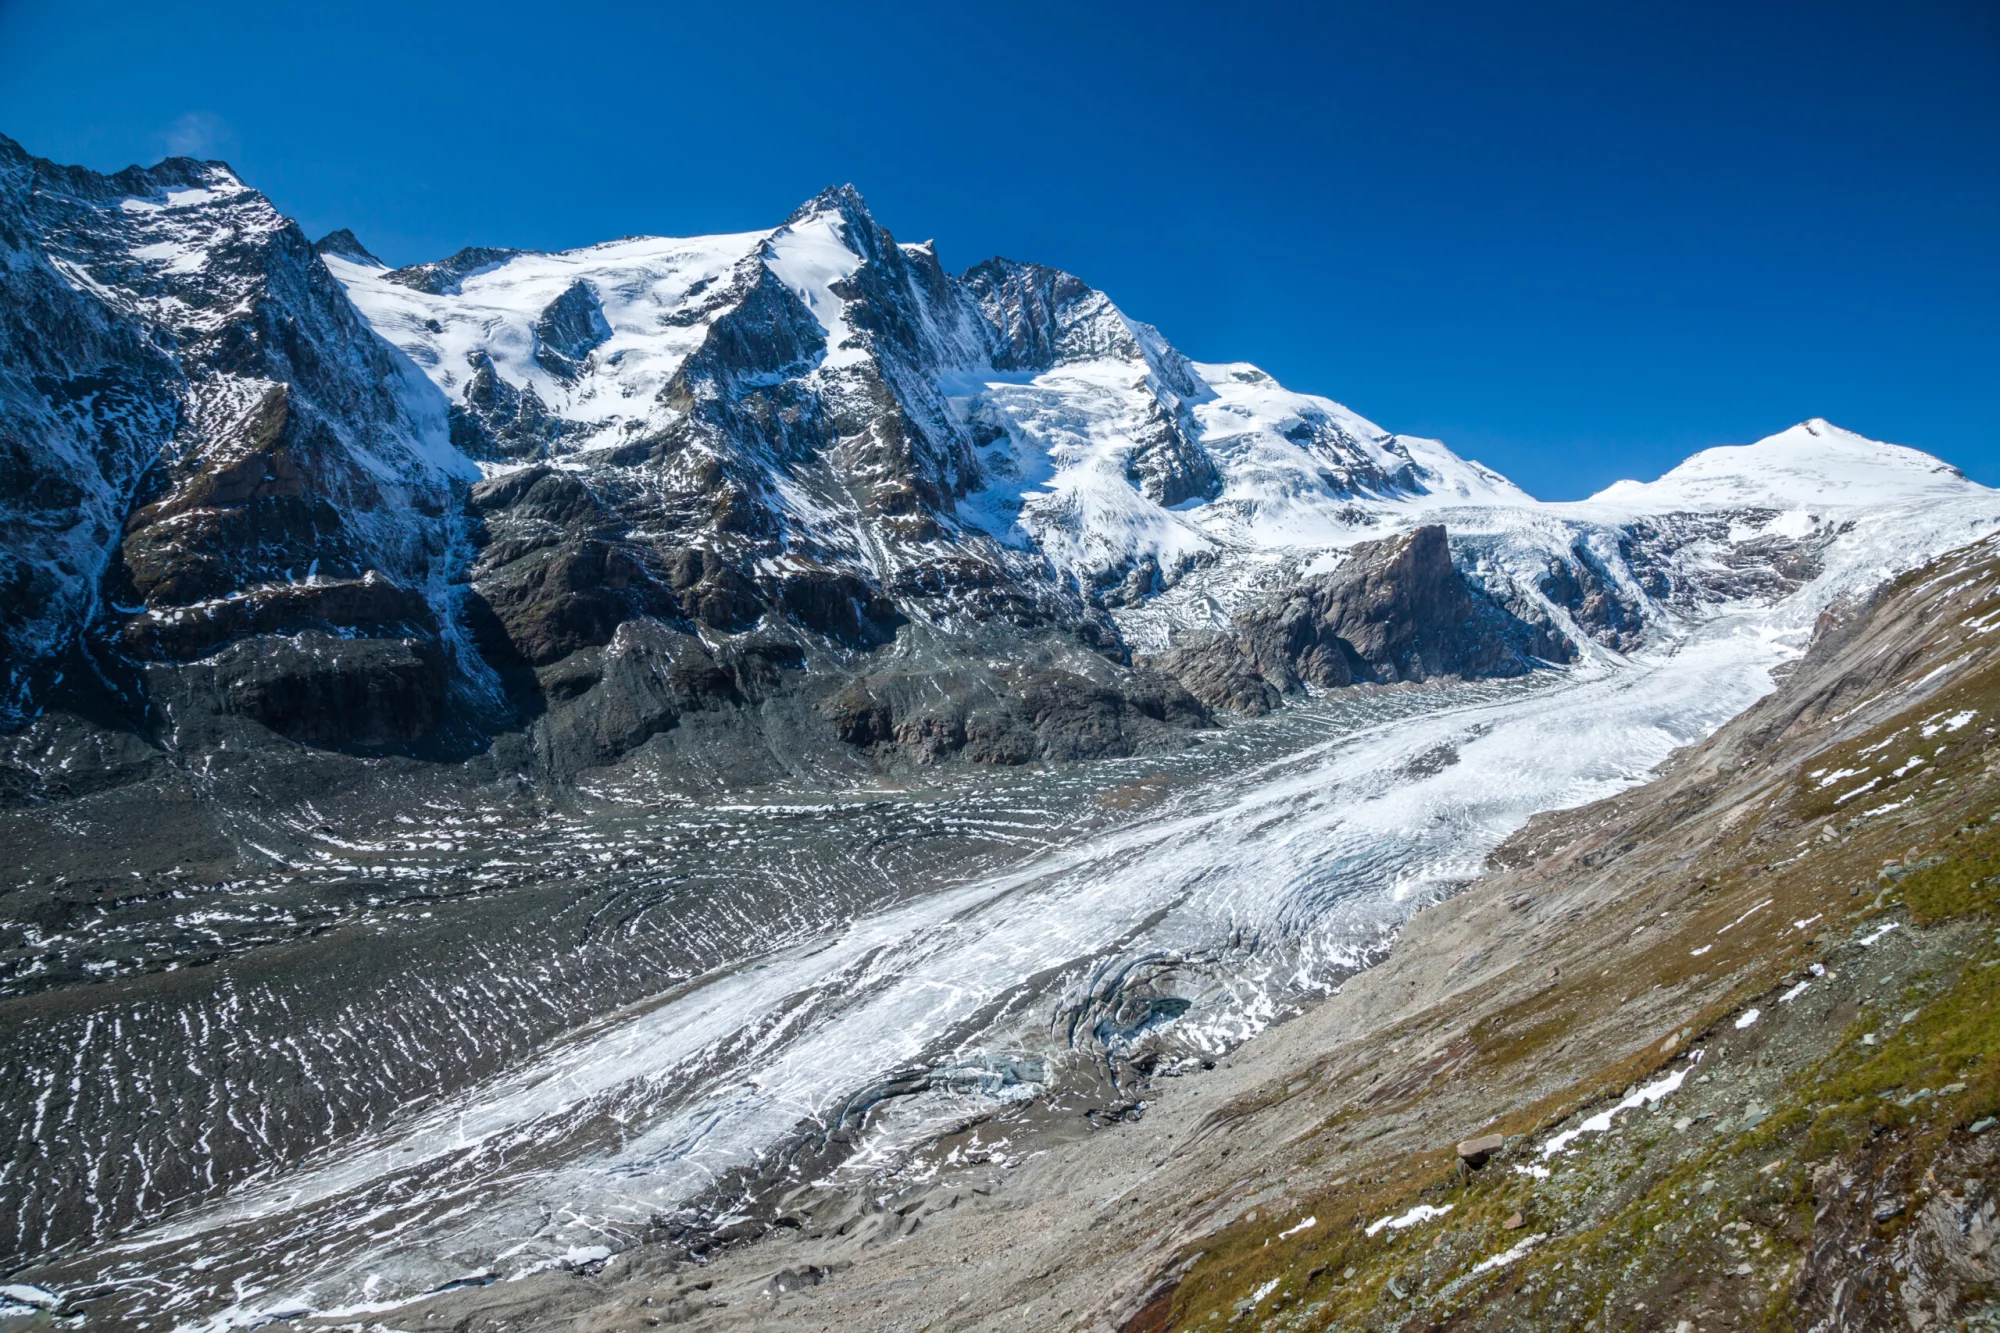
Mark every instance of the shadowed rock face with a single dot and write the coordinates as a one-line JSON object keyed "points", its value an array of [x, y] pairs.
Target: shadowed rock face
{"points": [[206, 448], [569, 329], [1395, 610], [1004, 713], [315, 688], [1028, 306]]}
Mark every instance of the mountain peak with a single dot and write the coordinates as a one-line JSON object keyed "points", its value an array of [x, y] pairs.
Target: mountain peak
{"points": [[844, 200], [1814, 463], [1816, 436], [346, 245]]}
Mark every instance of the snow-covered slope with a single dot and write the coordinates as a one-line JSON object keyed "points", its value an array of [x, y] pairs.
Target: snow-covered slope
{"points": [[501, 320], [1814, 465]]}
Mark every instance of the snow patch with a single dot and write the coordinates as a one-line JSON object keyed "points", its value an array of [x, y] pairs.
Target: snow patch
{"points": [[1601, 1122], [1423, 1212], [1513, 1252]]}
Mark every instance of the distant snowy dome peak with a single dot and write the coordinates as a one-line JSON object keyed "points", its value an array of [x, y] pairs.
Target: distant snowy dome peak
{"points": [[1812, 464]]}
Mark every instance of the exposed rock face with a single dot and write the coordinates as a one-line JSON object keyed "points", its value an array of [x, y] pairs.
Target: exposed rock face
{"points": [[206, 446], [1394, 610], [495, 420], [1607, 581], [569, 329], [314, 687], [444, 276], [1010, 713], [1609, 612], [346, 245], [649, 678]]}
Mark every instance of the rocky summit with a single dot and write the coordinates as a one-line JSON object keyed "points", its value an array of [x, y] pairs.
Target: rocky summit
{"points": [[765, 780]]}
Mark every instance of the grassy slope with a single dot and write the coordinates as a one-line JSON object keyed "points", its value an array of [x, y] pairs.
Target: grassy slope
{"points": [[1818, 1168]]}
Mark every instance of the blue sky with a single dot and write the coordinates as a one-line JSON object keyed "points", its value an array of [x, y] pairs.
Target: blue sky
{"points": [[1576, 241]]}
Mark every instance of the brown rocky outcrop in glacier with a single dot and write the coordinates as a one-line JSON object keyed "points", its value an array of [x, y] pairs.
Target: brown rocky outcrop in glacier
{"points": [[1394, 610]]}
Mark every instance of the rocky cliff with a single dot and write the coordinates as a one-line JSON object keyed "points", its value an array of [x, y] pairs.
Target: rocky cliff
{"points": [[225, 495], [1394, 610]]}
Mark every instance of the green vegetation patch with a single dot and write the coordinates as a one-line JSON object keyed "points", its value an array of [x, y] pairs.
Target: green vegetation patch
{"points": [[1961, 877], [1928, 1069]]}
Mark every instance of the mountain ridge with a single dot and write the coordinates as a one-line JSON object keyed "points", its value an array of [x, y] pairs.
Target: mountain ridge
{"points": [[797, 457]]}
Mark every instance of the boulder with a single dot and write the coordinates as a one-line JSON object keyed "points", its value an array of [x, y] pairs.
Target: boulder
{"points": [[1475, 1153]]}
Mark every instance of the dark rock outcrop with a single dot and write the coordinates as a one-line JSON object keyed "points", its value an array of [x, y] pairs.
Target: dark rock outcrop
{"points": [[569, 330], [1069, 708], [1607, 612], [495, 420], [651, 677], [346, 245], [1395, 610], [368, 694], [443, 276], [207, 452]]}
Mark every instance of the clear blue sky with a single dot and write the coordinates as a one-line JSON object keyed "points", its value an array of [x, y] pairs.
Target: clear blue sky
{"points": [[1576, 241]]}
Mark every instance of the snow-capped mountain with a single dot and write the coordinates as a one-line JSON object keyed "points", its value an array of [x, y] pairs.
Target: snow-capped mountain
{"points": [[577, 498], [205, 445], [1813, 466], [1031, 412], [1043, 422]]}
